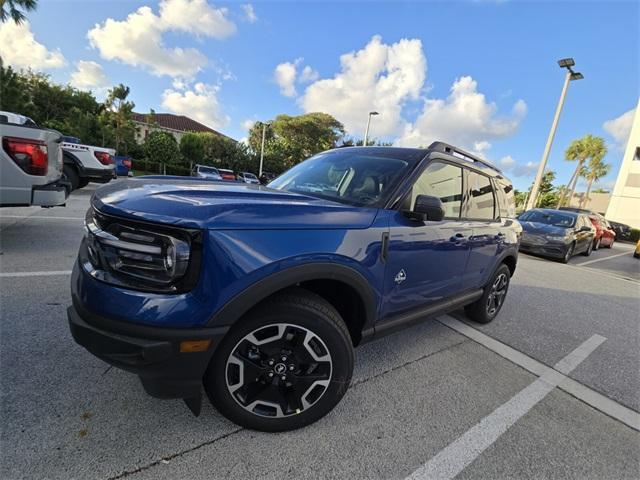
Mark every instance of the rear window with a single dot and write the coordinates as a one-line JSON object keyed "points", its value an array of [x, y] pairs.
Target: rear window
{"points": [[507, 198], [207, 170], [481, 198]]}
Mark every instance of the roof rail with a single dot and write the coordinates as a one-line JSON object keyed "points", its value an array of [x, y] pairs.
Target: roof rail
{"points": [[457, 152]]}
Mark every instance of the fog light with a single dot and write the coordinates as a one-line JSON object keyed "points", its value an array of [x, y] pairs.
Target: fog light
{"points": [[194, 346]]}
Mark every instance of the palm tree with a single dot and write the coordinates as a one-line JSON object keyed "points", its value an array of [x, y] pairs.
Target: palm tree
{"points": [[12, 9], [594, 172], [581, 150]]}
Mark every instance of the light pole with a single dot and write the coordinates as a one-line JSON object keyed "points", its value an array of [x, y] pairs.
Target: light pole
{"points": [[366, 133], [571, 75], [264, 131]]}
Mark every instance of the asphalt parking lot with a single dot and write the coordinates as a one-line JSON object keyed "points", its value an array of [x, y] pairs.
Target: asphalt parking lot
{"points": [[550, 389]]}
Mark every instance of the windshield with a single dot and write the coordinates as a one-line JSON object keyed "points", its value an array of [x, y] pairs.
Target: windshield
{"points": [[251, 176], [207, 170], [557, 219], [356, 177]]}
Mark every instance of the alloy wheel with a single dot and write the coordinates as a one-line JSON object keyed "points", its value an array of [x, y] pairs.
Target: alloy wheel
{"points": [[497, 294], [278, 370]]}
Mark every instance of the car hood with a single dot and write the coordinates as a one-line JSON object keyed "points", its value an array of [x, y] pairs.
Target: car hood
{"points": [[533, 228], [194, 203]]}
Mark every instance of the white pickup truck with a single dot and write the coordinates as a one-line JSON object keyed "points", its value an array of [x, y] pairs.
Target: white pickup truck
{"points": [[30, 164], [86, 163]]}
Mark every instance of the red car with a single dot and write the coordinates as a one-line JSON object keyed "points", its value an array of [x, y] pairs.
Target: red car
{"points": [[605, 235], [227, 174]]}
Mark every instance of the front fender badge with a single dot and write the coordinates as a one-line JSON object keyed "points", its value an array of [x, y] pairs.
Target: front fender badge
{"points": [[401, 277]]}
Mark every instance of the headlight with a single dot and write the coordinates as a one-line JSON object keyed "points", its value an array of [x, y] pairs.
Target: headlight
{"points": [[139, 255], [555, 238]]}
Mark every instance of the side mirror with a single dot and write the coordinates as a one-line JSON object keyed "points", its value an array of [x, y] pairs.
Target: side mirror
{"points": [[428, 208], [585, 229]]}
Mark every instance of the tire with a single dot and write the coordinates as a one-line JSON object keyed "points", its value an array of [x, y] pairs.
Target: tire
{"points": [[589, 249], [487, 307], [611, 244], [596, 243], [569, 253], [69, 174], [83, 183], [293, 335]]}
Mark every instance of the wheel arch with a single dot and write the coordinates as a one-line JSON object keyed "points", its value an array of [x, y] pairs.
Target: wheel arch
{"points": [[343, 287]]}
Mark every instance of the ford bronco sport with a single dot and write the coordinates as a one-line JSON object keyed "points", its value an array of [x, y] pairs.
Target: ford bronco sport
{"points": [[261, 293]]}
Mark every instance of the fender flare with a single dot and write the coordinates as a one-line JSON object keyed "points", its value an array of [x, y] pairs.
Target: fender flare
{"points": [[235, 308]]}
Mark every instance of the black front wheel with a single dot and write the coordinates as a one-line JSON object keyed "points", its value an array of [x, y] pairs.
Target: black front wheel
{"points": [[589, 249], [568, 253], [487, 307], [283, 366]]}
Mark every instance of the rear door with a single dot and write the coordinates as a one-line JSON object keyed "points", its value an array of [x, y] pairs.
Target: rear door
{"points": [[483, 216]]}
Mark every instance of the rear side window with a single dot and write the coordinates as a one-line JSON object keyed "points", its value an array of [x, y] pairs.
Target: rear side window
{"points": [[507, 198], [443, 181], [482, 204]]}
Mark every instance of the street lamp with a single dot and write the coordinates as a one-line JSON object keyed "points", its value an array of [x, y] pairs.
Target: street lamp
{"points": [[366, 133], [567, 63], [264, 131]]}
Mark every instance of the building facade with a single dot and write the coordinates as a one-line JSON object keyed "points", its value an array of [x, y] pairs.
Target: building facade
{"points": [[624, 206], [176, 125]]}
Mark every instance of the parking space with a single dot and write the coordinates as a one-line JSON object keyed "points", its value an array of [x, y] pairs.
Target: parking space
{"points": [[446, 396]]}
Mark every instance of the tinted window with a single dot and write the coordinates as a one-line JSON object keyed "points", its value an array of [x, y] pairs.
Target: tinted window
{"points": [[363, 177], [559, 219], [481, 199], [443, 181], [507, 198]]}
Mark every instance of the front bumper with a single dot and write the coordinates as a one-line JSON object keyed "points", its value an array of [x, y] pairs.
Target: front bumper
{"points": [[548, 250], [153, 353]]}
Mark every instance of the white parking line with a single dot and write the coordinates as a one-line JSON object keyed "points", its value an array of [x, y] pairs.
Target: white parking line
{"points": [[40, 217], [35, 274], [462, 452], [583, 393], [601, 259]]}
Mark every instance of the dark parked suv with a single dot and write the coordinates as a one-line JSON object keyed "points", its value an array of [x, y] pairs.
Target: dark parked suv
{"points": [[261, 293]]}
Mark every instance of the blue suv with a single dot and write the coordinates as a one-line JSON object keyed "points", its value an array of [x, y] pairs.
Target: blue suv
{"points": [[260, 294]]}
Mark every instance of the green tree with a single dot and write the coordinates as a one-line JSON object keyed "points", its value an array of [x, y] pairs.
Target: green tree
{"points": [[192, 148], [291, 139], [14, 9], [547, 194], [161, 147], [581, 150], [118, 116], [594, 172]]}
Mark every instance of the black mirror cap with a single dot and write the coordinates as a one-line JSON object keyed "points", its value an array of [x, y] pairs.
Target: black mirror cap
{"points": [[430, 207], [585, 229]]}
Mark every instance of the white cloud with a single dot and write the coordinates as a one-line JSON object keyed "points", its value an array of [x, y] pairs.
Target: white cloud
{"points": [[200, 103], [89, 75], [20, 49], [507, 162], [620, 128], [138, 40], [464, 118], [516, 169], [247, 124], [285, 76], [308, 74], [249, 13], [196, 17], [378, 77]]}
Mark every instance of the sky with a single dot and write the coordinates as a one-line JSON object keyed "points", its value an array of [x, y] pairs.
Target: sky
{"points": [[480, 74]]}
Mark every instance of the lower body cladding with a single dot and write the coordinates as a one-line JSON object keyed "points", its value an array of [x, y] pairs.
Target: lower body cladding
{"points": [[169, 362]]}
